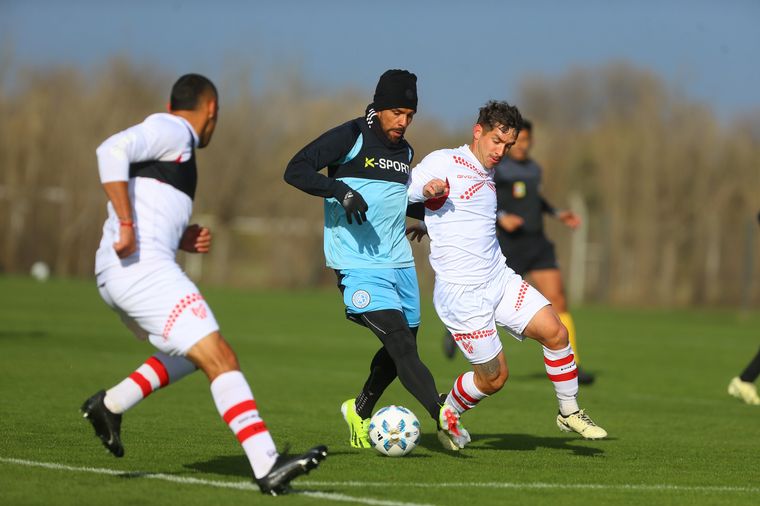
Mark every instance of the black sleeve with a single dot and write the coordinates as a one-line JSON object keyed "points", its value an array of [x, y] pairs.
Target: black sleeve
{"points": [[416, 210], [546, 207], [303, 170]]}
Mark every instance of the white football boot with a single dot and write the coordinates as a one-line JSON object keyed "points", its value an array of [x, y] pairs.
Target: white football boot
{"points": [[451, 434], [581, 423], [747, 392]]}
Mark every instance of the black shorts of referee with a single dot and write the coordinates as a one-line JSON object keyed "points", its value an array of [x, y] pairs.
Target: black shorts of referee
{"points": [[527, 251]]}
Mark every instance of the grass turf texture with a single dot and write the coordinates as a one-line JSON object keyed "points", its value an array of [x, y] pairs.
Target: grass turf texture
{"points": [[675, 435]]}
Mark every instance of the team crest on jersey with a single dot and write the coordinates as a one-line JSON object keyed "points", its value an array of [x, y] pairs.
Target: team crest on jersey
{"points": [[361, 299], [518, 189]]}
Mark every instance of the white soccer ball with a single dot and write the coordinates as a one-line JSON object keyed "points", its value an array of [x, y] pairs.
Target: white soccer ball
{"points": [[40, 271], [394, 431]]}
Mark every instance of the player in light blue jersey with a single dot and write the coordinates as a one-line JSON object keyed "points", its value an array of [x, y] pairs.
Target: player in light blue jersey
{"points": [[368, 162]]}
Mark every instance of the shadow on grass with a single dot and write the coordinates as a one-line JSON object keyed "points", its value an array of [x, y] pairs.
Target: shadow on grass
{"points": [[225, 465], [238, 466], [430, 442], [234, 465], [541, 376], [527, 442]]}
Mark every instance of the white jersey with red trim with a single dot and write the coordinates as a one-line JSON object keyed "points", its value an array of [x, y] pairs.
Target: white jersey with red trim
{"points": [[161, 212], [462, 225]]}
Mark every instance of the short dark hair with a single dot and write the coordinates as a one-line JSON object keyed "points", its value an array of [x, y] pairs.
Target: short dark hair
{"points": [[187, 90], [496, 113], [527, 125]]}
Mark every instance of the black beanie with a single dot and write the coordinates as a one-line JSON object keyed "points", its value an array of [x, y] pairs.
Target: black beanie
{"points": [[396, 88]]}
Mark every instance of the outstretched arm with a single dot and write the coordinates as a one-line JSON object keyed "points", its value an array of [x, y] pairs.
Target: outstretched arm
{"points": [[567, 217], [330, 148]]}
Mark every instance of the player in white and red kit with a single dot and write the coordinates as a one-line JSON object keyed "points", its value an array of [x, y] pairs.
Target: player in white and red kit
{"points": [[149, 173], [474, 288]]}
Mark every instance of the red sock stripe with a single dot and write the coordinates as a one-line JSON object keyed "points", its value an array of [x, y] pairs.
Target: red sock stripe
{"points": [[564, 377], [562, 361], [160, 370], [239, 409], [143, 383], [460, 390], [251, 430], [459, 401]]}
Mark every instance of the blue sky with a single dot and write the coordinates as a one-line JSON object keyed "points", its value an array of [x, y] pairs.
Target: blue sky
{"points": [[463, 52]]}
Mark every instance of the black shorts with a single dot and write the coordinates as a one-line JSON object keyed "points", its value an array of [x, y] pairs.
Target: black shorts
{"points": [[528, 252]]}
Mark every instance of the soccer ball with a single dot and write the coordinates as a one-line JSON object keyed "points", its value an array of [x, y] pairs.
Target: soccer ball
{"points": [[40, 271], [394, 431]]}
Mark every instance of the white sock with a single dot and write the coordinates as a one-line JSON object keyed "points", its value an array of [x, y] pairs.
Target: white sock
{"points": [[157, 372], [465, 395], [235, 403], [561, 369]]}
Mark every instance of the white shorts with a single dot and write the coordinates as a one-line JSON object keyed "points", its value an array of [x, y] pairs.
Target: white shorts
{"points": [[471, 312], [161, 305]]}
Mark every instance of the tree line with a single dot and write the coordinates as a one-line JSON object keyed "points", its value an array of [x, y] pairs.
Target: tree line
{"points": [[669, 190]]}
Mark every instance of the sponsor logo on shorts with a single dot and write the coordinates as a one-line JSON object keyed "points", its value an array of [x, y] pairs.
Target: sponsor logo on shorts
{"points": [[200, 311], [465, 339], [361, 299], [183, 304]]}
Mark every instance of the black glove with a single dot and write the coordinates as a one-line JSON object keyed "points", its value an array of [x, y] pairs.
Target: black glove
{"points": [[352, 202]]}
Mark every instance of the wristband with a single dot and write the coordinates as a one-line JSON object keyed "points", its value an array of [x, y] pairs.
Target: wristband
{"points": [[127, 223]]}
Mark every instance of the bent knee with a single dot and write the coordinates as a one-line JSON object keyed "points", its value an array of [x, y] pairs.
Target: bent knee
{"points": [[557, 337], [214, 356]]}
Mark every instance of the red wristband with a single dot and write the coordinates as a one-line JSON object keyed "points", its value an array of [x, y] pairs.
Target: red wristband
{"points": [[127, 223]]}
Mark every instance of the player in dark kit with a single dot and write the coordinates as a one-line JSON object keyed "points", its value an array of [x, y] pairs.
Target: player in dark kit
{"points": [[368, 161]]}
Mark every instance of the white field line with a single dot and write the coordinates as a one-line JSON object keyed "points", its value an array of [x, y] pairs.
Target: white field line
{"points": [[339, 497], [184, 480], [538, 485]]}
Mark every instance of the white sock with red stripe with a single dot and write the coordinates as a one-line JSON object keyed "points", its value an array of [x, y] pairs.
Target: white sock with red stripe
{"points": [[561, 369], [465, 395], [234, 401], [157, 372]]}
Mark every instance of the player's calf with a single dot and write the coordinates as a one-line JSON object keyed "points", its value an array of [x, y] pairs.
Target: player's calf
{"points": [[465, 393], [157, 372]]}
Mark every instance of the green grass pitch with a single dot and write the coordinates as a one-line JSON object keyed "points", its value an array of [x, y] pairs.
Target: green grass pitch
{"points": [[676, 437]]}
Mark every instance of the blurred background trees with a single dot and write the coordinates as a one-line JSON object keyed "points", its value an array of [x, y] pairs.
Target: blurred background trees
{"points": [[669, 191]]}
